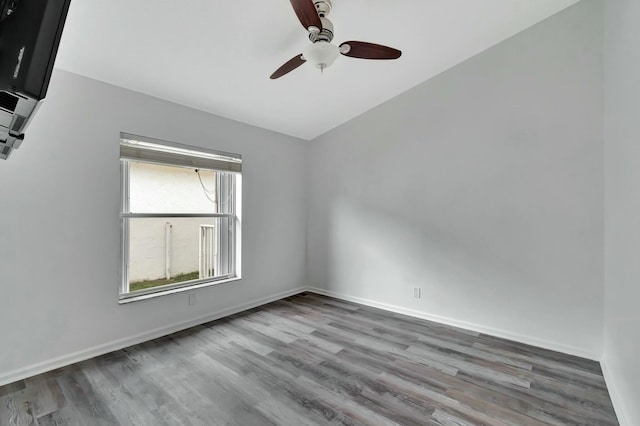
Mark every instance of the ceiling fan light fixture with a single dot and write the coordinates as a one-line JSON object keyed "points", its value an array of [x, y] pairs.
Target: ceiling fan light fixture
{"points": [[321, 54]]}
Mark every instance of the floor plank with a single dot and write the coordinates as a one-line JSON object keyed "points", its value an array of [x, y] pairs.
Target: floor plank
{"points": [[313, 360]]}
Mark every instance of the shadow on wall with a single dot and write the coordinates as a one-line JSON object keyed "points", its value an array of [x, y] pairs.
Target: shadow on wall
{"points": [[381, 254]]}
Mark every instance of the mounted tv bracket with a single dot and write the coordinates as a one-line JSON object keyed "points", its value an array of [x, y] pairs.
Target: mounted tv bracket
{"points": [[15, 113]]}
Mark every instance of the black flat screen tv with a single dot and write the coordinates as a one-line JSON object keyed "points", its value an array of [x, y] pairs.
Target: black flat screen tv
{"points": [[30, 32]]}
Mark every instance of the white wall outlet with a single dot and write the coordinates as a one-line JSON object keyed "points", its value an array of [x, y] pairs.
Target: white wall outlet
{"points": [[192, 299], [417, 292]]}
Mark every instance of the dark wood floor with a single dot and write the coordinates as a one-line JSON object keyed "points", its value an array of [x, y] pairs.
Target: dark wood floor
{"points": [[310, 360]]}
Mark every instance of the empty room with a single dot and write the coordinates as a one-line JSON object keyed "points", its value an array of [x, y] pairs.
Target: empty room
{"points": [[314, 212]]}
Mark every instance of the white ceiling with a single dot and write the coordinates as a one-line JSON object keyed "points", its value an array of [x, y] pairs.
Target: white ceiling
{"points": [[217, 56]]}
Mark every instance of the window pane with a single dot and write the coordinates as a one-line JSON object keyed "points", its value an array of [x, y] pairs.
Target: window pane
{"points": [[165, 251], [157, 188]]}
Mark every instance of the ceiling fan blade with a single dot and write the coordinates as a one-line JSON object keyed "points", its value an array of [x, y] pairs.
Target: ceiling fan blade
{"points": [[307, 13], [364, 50], [291, 65]]}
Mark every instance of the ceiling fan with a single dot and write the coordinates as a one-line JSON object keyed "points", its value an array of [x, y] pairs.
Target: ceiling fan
{"points": [[321, 53]]}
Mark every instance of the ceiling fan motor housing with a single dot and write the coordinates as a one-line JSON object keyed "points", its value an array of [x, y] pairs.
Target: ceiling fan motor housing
{"points": [[323, 7], [325, 35]]}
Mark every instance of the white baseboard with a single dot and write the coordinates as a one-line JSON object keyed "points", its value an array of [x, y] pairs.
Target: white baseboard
{"points": [[504, 334], [68, 359], [615, 394]]}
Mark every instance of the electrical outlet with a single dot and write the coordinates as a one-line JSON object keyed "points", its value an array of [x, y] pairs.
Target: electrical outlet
{"points": [[192, 299], [417, 292]]}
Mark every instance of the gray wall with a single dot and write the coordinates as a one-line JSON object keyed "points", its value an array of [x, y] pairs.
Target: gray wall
{"points": [[60, 232], [482, 186], [622, 206]]}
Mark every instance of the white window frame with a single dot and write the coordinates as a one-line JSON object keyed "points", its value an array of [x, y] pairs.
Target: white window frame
{"points": [[181, 152]]}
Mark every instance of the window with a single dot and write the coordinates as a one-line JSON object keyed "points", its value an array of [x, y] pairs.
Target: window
{"points": [[180, 217]]}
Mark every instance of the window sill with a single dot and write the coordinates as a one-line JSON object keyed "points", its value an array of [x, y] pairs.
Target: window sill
{"points": [[124, 299]]}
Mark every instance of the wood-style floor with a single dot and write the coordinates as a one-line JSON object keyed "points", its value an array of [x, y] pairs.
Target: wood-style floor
{"points": [[313, 360]]}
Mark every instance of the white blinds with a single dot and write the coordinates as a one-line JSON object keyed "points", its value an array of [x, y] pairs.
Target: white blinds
{"points": [[140, 148]]}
